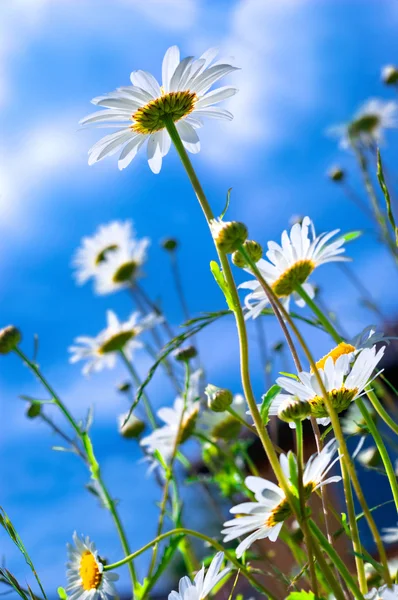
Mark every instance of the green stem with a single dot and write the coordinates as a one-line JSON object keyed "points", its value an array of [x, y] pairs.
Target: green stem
{"points": [[317, 311], [304, 522], [381, 448], [229, 555], [336, 560], [381, 411], [137, 381], [93, 464]]}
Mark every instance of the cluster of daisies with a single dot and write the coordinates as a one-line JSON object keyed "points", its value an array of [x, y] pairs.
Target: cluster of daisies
{"points": [[153, 113]]}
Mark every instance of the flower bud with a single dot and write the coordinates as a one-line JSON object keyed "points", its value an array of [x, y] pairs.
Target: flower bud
{"points": [[389, 75], [9, 339], [228, 235], [294, 410], [185, 354], [169, 244], [336, 174], [132, 428], [34, 410], [124, 387], [253, 249], [218, 399]]}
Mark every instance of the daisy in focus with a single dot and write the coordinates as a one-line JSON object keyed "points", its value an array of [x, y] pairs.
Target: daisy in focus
{"points": [[180, 420], [290, 264], [204, 582], [264, 518], [101, 351], [112, 257], [368, 126], [344, 382], [142, 112], [87, 579]]}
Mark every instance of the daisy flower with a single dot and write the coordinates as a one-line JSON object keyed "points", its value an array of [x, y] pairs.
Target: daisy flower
{"points": [[390, 534], [139, 112], [353, 422], [203, 583], [383, 593], [344, 383], [122, 267], [87, 579], [290, 265], [264, 517], [101, 352], [222, 424], [164, 438], [369, 124]]}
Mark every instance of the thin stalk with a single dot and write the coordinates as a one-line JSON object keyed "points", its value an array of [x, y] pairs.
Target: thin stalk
{"points": [[137, 381], [381, 411], [304, 522], [336, 560], [182, 530], [322, 318], [178, 284], [93, 464], [63, 435], [169, 474], [382, 450]]}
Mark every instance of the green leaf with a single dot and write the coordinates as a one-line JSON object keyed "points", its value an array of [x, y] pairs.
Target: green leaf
{"points": [[62, 593], [167, 556], [384, 188], [267, 399], [220, 280], [226, 204], [350, 236], [293, 472], [291, 375], [303, 595]]}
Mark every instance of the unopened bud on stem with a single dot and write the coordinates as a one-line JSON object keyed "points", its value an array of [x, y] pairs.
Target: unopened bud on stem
{"points": [[218, 399], [294, 410], [9, 339], [228, 235], [254, 251]]}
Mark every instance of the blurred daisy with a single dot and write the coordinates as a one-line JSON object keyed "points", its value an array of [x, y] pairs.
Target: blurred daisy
{"points": [[180, 422], [353, 422], [115, 243], [87, 579], [344, 382], [390, 534], [290, 265], [122, 267], [264, 518], [101, 352], [203, 583], [222, 424], [139, 112], [383, 593], [368, 125]]}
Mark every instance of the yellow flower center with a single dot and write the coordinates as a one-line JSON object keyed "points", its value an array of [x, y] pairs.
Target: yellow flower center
{"points": [[89, 571], [116, 342], [341, 400], [101, 257], [279, 514], [188, 424], [125, 272], [174, 105], [338, 351], [295, 275], [366, 124]]}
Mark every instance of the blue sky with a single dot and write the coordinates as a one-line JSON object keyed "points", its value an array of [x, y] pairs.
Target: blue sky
{"points": [[305, 65]]}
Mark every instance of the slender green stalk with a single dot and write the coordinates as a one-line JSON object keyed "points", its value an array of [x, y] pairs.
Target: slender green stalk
{"points": [[229, 555], [382, 450], [304, 521], [92, 462], [169, 473], [381, 411], [137, 381], [322, 318], [336, 560]]}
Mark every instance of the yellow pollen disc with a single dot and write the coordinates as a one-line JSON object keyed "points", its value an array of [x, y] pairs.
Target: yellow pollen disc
{"points": [[174, 105], [89, 571], [294, 276], [116, 342], [341, 400], [279, 514], [340, 350]]}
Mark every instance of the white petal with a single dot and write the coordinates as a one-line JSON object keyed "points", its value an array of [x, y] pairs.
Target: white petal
{"points": [[169, 65], [189, 136], [215, 96], [147, 82]]}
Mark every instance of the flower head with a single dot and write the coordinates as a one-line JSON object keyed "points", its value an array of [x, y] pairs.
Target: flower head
{"points": [[368, 125], [140, 112], [290, 264], [383, 593], [87, 579], [10, 337], [389, 75], [344, 383], [264, 518], [353, 423], [101, 351], [203, 583], [122, 268]]}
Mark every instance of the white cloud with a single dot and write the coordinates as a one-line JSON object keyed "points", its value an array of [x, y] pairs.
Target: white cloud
{"points": [[166, 14]]}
